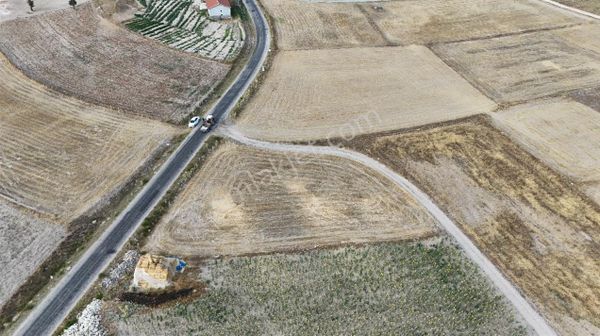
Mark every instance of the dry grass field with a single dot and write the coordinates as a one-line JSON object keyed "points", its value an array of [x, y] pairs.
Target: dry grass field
{"points": [[25, 242], [78, 53], [534, 224], [527, 66], [316, 94], [247, 201], [424, 22], [302, 25], [592, 6], [405, 288], [60, 156], [563, 134]]}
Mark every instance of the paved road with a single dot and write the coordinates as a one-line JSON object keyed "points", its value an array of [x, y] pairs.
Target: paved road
{"points": [[526, 309], [48, 315]]}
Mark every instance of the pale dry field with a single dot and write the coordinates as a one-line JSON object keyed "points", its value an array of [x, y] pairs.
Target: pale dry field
{"points": [[537, 227], [247, 201], [78, 53], [424, 22], [563, 134], [316, 94], [302, 25], [528, 66], [592, 6], [25, 242], [62, 157]]}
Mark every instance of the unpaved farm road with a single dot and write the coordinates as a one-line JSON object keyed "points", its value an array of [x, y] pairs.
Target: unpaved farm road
{"points": [[527, 311], [49, 313]]}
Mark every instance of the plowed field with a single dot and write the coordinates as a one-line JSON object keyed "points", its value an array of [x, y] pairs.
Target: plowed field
{"points": [[424, 22], [62, 157], [25, 242], [540, 230], [523, 67], [246, 200], [316, 94], [78, 53]]}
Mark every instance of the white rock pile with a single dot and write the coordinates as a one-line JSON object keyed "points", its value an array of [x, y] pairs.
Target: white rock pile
{"points": [[125, 266], [88, 322]]}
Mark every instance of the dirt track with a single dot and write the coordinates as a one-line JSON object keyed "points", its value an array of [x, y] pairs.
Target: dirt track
{"points": [[534, 224], [246, 200], [77, 53]]}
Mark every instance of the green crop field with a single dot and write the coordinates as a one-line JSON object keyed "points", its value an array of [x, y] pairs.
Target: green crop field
{"points": [[392, 288]]}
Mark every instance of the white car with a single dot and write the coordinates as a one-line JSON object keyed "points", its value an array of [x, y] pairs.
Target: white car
{"points": [[207, 123], [194, 122]]}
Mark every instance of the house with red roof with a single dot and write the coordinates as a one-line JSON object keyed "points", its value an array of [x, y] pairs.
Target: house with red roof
{"points": [[218, 9]]}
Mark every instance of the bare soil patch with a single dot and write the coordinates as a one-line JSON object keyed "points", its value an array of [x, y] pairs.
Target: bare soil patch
{"points": [[528, 66], [303, 25], [563, 134], [78, 53], [25, 242], [62, 157], [316, 94], [424, 22], [13, 9], [540, 230], [247, 201]]}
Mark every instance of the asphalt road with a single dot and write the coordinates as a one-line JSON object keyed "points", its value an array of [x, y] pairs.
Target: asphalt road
{"points": [[49, 314]]}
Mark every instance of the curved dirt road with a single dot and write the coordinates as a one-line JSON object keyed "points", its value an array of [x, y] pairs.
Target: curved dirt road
{"points": [[525, 309]]}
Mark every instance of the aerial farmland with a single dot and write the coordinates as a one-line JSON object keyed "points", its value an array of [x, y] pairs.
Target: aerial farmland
{"points": [[348, 167]]}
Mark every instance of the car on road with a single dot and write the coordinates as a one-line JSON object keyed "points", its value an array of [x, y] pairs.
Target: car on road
{"points": [[207, 123], [194, 122]]}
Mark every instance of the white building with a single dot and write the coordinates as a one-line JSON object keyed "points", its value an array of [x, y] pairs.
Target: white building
{"points": [[218, 9]]}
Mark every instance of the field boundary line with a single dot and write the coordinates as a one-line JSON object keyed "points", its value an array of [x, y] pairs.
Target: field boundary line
{"points": [[571, 9], [533, 318]]}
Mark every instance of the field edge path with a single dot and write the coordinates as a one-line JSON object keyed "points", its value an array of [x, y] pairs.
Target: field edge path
{"points": [[520, 303]]}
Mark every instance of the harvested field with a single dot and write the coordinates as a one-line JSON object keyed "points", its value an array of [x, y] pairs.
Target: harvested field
{"points": [[592, 6], [424, 22], [527, 66], [593, 191], [246, 201], [25, 242], [540, 230], [182, 25], [563, 134], [60, 156], [316, 94], [302, 25], [78, 53], [384, 289]]}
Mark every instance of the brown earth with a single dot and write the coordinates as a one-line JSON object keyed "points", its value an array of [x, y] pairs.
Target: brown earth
{"points": [[78, 53], [247, 201], [302, 25], [540, 230], [316, 94], [527, 66], [61, 157], [435, 21]]}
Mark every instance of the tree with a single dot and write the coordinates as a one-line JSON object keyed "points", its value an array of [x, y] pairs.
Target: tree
{"points": [[30, 3], [73, 3]]}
